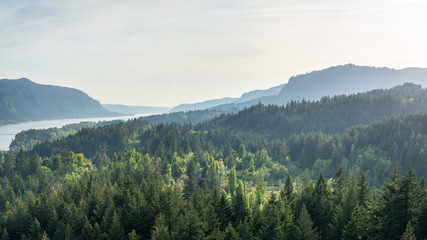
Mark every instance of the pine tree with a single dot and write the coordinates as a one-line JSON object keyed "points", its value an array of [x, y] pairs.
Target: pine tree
{"points": [[230, 233], [133, 236], [322, 209], [190, 226], [363, 191], [306, 194], [216, 234], [9, 165], [224, 212], [409, 197], [87, 231], [35, 162], [245, 229], [190, 183], [160, 230], [388, 217], [45, 236], [116, 231], [172, 204], [36, 230], [288, 191], [240, 205], [272, 225], [305, 230], [409, 233], [357, 227], [421, 229], [19, 222], [343, 199], [69, 233], [339, 186], [337, 224]]}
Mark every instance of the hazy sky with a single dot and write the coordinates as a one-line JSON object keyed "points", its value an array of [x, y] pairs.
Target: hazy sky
{"points": [[162, 53]]}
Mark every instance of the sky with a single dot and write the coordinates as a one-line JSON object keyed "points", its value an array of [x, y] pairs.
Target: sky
{"points": [[168, 52]]}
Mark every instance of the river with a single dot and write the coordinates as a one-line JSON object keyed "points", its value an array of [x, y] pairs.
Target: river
{"points": [[8, 132]]}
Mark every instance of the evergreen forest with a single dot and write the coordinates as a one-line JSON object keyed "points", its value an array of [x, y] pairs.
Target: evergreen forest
{"points": [[343, 167]]}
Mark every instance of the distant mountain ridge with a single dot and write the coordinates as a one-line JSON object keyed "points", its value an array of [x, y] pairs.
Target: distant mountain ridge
{"points": [[345, 79], [202, 105], [126, 109], [337, 80], [255, 94], [24, 100]]}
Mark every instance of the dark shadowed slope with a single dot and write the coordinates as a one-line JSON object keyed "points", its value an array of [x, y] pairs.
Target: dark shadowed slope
{"points": [[24, 100]]}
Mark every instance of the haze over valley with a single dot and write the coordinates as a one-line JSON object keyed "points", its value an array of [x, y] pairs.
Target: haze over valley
{"points": [[226, 120]]}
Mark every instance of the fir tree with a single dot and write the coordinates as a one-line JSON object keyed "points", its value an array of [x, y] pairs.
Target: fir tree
{"points": [[160, 230], [409, 233], [363, 191], [288, 191], [133, 236], [45, 236], [272, 225], [322, 210], [116, 231], [305, 228], [357, 227], [190, 183], [230, 233], [245, 229], [240, 205], [36, 230], [224, 212], [339, 186]]}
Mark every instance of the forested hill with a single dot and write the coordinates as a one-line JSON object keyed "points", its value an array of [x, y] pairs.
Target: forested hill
{"points": [[24, 100], [337, 80], [135, 180], [328, 115], [306, 141]]}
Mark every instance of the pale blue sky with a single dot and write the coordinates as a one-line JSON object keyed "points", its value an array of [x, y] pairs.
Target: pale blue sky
{"points": [[163, 53]]}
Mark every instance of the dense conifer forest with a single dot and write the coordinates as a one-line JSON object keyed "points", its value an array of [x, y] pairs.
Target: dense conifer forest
{"points": [[344, 167]]}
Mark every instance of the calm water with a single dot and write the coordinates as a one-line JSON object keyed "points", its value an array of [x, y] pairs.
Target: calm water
{"points": [[8, 132]]}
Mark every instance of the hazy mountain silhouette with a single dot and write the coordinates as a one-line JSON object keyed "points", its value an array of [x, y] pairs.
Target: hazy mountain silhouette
{"points": [[202, 105], [255, 94], [24, 100], [344, 79], [126, 109]]}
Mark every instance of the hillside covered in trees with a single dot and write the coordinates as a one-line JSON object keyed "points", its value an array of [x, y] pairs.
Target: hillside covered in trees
{"points": [[267, 172], [24, 100], [337, 80], [329, 115]]}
